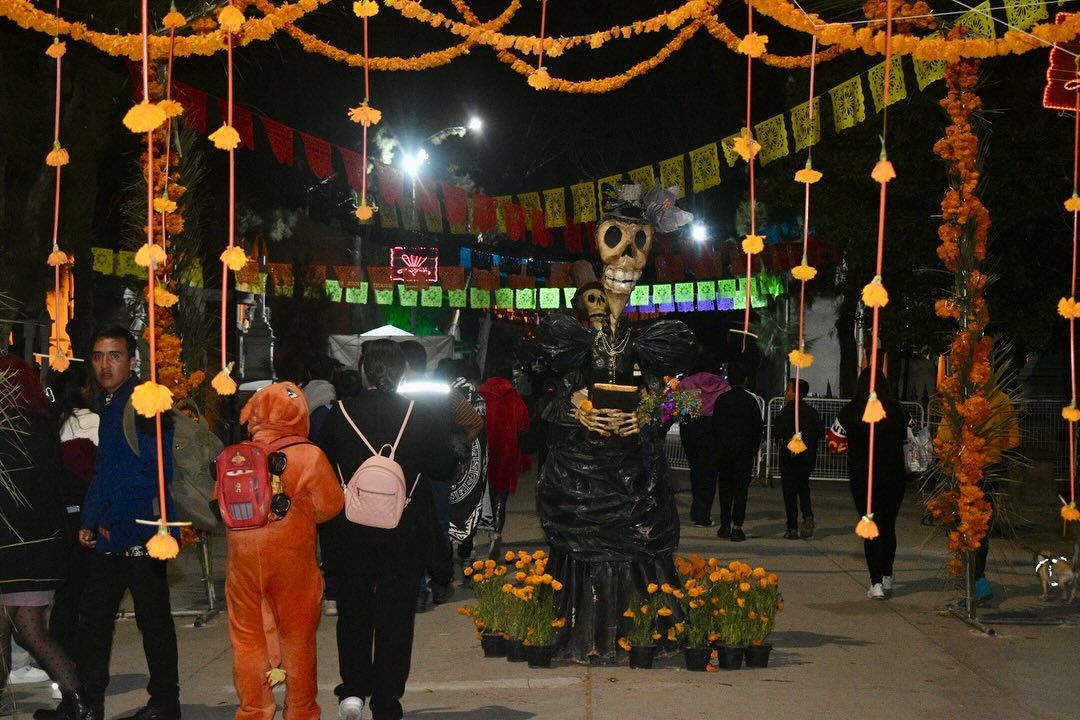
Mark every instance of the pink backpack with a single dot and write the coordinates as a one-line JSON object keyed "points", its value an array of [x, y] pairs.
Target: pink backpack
{"points": [[376, 495]]}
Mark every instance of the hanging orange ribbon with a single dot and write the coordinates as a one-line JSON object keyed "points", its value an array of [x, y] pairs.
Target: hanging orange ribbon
{"points": [[874, 293], [752, 157], [1069, 511], [57, 157]]}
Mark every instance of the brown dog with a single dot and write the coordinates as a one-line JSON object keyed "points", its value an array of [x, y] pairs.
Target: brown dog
{"points": [[1059, 572]]}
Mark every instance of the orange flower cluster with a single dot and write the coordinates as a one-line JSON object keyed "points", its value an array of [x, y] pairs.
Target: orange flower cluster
{"points": [[962, 441], [871, 40], [919, 11], [733, 603], [206, 41], [169, 221]]}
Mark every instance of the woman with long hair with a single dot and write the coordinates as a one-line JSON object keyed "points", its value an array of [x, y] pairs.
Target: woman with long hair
{"points": [[378, 570], [32, 545], [890, 475]]}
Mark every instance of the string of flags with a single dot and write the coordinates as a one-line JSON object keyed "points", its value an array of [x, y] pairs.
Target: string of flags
{"points": [[485, 292], [538, 215]]}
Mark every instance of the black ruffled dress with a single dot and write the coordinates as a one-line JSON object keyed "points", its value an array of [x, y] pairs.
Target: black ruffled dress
{"points": [[605, 503]]}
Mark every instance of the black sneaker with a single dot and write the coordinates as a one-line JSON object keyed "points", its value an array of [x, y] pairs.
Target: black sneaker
{"points": [[724, 533], [737, 534], [441, 594], [156, 712], [791, 534], [706, 523]]}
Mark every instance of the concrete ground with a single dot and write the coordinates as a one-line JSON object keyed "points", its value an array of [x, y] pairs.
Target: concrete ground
{"points": [[837, 654]]}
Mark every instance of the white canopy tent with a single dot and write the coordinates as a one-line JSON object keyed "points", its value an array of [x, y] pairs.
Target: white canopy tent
{"points": [[346, 348]]}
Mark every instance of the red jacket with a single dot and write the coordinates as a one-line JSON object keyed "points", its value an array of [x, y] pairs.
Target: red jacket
{"points": [[506, 415]]}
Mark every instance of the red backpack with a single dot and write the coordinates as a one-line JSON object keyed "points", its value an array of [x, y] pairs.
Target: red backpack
{"points": [[246, 487]]}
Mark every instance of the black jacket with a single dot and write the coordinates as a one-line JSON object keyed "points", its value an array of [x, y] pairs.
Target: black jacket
{"points": [[737, 426], [417, 542], [32, 511], [890, 472], [810, 425]]}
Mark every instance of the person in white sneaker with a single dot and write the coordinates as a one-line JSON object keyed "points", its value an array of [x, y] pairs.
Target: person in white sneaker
{"points": [[351, 708], [23, 671], [890, 474]]}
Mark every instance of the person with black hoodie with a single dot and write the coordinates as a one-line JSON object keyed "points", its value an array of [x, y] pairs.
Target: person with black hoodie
{"points": [[795, 469], [890, 475], [379, 570], [697, 440], [737, 429]]}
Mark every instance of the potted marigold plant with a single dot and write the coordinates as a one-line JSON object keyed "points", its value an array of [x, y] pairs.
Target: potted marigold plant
{"points": [[530, 610], [731, 623], [763, 602], [640, 640], [489, 612]]}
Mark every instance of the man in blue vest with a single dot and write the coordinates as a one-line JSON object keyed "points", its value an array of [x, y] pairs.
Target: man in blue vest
{"points": [[125, 489]]}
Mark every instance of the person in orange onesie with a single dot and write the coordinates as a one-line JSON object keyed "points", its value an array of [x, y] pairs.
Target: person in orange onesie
{"points": [[273, 584]]}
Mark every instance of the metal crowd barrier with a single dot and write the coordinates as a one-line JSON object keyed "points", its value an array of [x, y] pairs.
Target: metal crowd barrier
{"points": [[676, 454]]}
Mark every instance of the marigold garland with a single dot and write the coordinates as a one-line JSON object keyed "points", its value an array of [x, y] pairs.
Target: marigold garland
{"points": [[966, 431]]}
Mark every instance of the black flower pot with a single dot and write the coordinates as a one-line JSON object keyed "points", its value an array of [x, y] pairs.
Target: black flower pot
{"points": [[515, 650], [757, 656], [696, 658], [641, 656], [730, 657], [539, 656], [494, 645]]}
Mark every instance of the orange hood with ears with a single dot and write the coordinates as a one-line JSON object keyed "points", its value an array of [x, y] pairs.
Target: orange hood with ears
{"points": [[276, 411]]}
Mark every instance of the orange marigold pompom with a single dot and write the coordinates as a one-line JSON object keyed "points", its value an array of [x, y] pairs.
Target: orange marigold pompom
{"points": [[234, 257], [171, 107], [58, 156], [150, 398], [804, 272], [365, 115], [144, 117], [1073, 203], [800, 358], [225, 138], [539, 79], [867, 528], [796, 445], [365, 8], [57, 49], [223, 383], [1071, 413], [874, 293], [231, 19], [753, 244], [624, 644], [808, 175], [745, 146], [57, 257], [164, 204], [1068, 308], [364, 213], [173, 19], [874, 411], [59, 361], [149, 253], [753, 45], [1070, 513], [162, 546], [883, 172], [164, 298]]}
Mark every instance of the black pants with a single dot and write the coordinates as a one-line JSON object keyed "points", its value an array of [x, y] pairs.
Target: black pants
{"points": [[796, 487], [376, 610], [108, 576], [697, 441], [64, 618], [880, 552], [733, 480]]}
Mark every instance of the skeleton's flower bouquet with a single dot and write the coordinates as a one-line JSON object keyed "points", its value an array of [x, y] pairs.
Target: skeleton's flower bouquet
{"points": [[668, 404]]}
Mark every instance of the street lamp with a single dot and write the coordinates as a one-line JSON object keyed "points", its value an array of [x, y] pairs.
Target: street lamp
{"points": [[411, 161], [475, 124], [698, 232]]}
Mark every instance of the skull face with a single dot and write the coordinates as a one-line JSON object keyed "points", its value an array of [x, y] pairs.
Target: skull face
{"points": [[624, 247], [591, 304]]}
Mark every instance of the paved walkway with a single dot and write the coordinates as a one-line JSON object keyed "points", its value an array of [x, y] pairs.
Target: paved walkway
{"points": [[837, 654]]}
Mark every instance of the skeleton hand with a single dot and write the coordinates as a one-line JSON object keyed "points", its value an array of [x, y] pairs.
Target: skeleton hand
{"points": [[626, 423], [594, 420]]}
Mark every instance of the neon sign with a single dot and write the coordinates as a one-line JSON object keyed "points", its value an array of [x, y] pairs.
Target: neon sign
{"points": [[415, 264]]}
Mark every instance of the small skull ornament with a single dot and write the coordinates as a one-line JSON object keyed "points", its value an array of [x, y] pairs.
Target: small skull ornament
{"points": [[624, 248], [590, 304]]}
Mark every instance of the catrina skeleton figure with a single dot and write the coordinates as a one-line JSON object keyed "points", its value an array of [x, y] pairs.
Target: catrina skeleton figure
{"points": [[606, 505]]}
